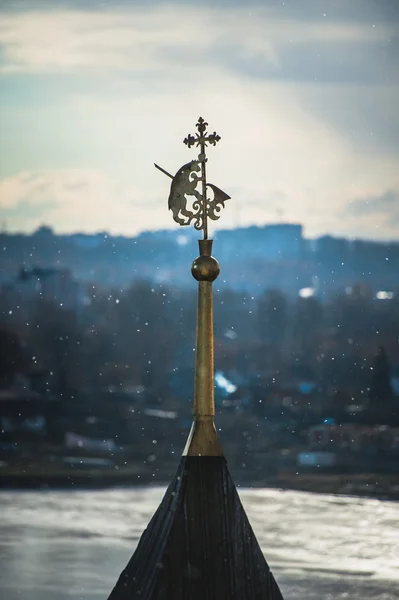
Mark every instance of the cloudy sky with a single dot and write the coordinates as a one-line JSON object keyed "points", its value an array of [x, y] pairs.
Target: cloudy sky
{"points": [[304, 93]]}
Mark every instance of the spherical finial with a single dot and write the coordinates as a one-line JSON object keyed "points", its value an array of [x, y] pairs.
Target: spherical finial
{"points": [[205, 268]]}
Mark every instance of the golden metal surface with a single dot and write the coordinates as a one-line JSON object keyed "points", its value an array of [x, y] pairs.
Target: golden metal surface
{"points": [[204, 360], [205, 267], [203, 439]]}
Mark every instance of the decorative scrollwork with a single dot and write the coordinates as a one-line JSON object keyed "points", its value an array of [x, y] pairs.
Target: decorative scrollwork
{"points": [[197, 215], [185, 183], [190, 140], [213, 138], [214, 206], [201, 125]]}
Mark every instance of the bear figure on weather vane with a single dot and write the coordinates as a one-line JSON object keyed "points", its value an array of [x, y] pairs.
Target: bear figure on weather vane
{"points": [[187, 180]]}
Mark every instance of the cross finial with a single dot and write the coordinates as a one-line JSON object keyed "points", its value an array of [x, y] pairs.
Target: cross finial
{"points": [[202, 138]]}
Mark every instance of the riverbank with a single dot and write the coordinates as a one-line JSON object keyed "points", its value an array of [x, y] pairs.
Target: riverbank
{"points": [[383, 485]]}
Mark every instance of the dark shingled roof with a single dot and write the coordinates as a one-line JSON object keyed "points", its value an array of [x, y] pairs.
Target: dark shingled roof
{"points": [[199, 544]]}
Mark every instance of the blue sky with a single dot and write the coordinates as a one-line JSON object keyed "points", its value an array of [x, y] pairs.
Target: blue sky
{"points": [[304, 95]]}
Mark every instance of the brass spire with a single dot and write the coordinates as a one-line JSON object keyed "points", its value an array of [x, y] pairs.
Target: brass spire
{"points": [[199, 543], [203, 439]]}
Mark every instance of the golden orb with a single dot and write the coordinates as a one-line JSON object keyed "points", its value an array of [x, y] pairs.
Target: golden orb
{"points": [[205, 268]]}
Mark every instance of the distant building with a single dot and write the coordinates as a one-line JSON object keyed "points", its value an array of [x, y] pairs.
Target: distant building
{"points": [[280, 241], [60, 287], [316, 459], [332, 248], [22, 413], [51, 284], [284, 240], [354, 437]]}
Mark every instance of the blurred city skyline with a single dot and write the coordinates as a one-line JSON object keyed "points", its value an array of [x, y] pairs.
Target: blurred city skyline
{"points": [[303, 96]]}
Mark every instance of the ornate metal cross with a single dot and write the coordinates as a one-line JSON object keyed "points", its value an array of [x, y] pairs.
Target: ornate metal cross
{"points": [[186, 181]]}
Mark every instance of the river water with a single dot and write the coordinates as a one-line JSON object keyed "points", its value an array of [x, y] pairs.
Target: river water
{"points": [[57, 545]]}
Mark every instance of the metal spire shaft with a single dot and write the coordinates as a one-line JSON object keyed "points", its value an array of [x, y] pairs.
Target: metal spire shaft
{"points": [[203, 439], [202, 158]]}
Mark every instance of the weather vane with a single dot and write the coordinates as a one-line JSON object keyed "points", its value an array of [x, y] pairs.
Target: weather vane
{"points": [[187, 180]]}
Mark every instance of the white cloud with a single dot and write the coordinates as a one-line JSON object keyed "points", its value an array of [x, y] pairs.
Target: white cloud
{"points": [[140, 38], [73, 200], [137, 80]]}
